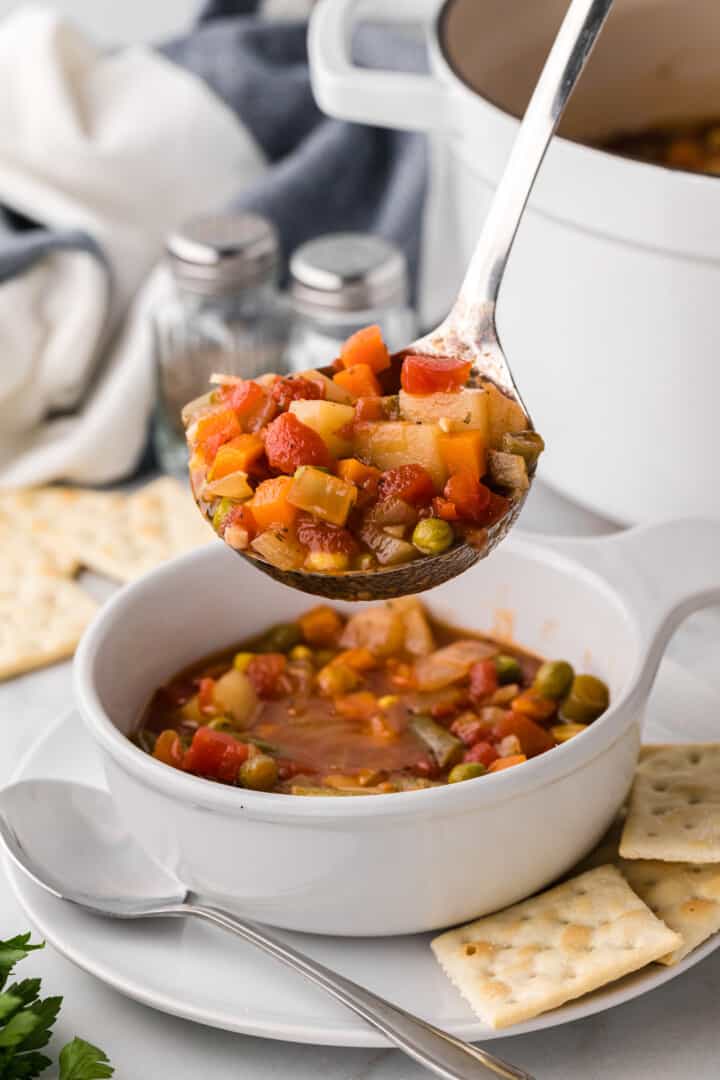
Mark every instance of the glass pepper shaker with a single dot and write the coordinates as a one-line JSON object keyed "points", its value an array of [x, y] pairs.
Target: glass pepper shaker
{"points": [[224, 315], [339, 283]]}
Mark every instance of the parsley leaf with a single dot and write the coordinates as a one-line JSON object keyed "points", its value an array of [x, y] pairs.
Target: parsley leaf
{"points": [[26, 1022], [80, 1060]]}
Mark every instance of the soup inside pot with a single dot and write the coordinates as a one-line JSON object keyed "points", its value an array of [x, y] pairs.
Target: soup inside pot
{"points": [[655, 62]]}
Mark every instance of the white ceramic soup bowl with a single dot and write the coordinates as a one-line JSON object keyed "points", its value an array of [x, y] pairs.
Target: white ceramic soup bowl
{"points": [[608, 312], [405, 862]]}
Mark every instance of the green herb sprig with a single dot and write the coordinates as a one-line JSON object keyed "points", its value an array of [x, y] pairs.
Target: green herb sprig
{"points": [[26, 1022]]}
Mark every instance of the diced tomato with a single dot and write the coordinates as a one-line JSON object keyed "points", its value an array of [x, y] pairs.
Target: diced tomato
{"points": [[497, 507], [425, 768], [214, 430], [412, 483], [483, 679], [433, 374], [507, 762], [215, 754], [533, 705], [369, 408], [321, 626], [240, 454], [322, 536], [366, 346], [168, 749], [483, 752], [444, 509], [532, 738], [264, 670], [470, 729], [206, 703], [295, 388], [469, 496], [289, 444]]}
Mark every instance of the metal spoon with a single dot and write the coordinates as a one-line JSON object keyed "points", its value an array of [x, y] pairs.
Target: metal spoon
{"points": [[68, 839], [469, 331]]}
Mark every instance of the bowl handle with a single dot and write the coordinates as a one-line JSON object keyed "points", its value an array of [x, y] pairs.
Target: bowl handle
{"points": [[663, 572], [385, 98]]}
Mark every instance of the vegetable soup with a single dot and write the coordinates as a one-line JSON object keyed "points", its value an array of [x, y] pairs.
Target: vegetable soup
{"points": [[387, 700]]}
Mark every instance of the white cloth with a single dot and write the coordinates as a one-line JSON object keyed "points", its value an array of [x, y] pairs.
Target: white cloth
{"points": [[125, 146]]}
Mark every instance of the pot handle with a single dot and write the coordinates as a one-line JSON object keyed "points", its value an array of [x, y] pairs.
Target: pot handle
{"points": [[663, 572], [385, 98]]}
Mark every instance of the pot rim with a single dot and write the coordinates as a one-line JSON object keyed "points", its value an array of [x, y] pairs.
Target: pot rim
{"points": [[444, 801], [628, 214]]}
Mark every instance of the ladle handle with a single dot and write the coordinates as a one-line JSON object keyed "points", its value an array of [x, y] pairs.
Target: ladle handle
{"points": [[437, 1051], [583, 22]]}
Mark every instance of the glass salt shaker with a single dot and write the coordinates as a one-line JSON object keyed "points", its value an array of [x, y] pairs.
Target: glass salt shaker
{"points": [[339, 283], [224, 315]]}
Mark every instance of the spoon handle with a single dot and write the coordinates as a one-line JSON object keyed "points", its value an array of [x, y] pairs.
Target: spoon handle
{"points": [[439, 1052], [583, 22]]}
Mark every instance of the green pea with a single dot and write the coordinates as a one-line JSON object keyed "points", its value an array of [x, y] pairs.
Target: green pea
{"points": [[554, 679], [281, 638], [222, 510], [259, 773], [508, 669], [588, 698], [466, 770], [528, 444], [432, 536], [220, 723]]}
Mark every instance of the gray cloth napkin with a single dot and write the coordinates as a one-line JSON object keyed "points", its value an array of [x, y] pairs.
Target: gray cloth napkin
{"points": [[325, 175]]}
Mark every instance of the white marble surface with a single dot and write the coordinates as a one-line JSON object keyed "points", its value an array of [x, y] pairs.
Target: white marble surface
{"points": [[669, 1034]]}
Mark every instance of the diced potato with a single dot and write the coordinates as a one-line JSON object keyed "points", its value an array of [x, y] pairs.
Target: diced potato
{"points": [[419, 639], [508, 470], [326, 496], [235, 696], [333, 392], [233, 486], [327, 562], [387, 444], [379, 629], [504, 414], [280, 548], [465, 410], [449, 665], [191, 711], [330, 420]]}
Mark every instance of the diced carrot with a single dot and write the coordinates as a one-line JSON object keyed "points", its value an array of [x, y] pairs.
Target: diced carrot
{"points": [[355, 472], [533, 738], [533, 705], [366, 346], [168, 748], [369, 408], [359, 659], [321, 626], [240, 454], [506, 762], [464, 450], [214, 430], [270, 504], [359, 380], [206, 702], [360, 705]]}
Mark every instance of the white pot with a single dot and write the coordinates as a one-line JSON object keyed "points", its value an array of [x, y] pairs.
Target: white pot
{"points": [[609, 313], [406, 862]]}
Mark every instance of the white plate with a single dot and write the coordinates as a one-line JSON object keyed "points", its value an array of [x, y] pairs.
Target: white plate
{"points": [[196, 972]]}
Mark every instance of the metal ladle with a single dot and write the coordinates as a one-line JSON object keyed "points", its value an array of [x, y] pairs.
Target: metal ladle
{"points": [[469, 331]]}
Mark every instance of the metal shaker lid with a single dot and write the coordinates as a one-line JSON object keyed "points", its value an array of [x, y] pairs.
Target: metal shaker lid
{"points": [[218, 252], [348, 272]]}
